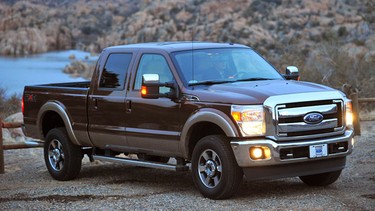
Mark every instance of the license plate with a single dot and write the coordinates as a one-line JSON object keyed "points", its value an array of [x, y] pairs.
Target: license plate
{"points": [[317, 151]]}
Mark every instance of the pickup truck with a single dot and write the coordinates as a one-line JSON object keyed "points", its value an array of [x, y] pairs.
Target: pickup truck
{"points": [[217, 109]]}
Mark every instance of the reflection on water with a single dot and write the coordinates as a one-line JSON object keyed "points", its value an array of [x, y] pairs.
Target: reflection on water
{"points": [[15, 73]]}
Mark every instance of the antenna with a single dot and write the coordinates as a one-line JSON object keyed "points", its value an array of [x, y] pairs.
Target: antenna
{"points": [[192, 54], [192, 46]]}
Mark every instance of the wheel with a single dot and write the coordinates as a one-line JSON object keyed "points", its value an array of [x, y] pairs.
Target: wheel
{"points": [[153, 158], [323, 179], [214, 168], [63, 159]]}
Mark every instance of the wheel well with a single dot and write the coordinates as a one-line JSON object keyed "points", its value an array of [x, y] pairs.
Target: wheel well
{"points": [[201, 130], [51, 120]]}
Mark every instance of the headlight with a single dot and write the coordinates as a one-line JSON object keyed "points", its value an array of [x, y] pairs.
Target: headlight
{"points": [[349, 114], [250, 119]]}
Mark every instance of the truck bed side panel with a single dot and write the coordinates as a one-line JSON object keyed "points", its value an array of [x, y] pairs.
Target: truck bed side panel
{"points": [[71, 97]]}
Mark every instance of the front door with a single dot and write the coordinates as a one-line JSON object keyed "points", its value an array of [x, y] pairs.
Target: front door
{"points": [[153, 125]]}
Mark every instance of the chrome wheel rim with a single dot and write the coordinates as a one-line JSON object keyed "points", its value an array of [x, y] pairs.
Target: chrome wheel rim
{"points": [[209, 168], [56, 156]]}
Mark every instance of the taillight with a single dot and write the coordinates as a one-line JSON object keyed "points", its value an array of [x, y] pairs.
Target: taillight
{"points": [[22, 105]]}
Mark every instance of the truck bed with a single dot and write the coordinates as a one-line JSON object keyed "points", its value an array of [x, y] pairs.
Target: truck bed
{"points": [[71, 96]]}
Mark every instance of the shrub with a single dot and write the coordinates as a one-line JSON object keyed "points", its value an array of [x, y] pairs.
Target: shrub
{"points": [[9, 105], [342, 31]]}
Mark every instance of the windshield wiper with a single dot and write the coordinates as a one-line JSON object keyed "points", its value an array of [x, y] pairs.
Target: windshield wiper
{"points": [[255, 79], [210, 82]]}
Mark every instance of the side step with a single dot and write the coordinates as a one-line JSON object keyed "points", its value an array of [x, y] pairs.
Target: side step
{"points": [[142, 163]]}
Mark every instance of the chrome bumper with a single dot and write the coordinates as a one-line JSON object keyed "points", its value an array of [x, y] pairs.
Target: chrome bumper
{"points": [[241, 149]]}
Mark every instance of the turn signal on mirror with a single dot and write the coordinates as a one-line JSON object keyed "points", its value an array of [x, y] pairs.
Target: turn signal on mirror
{"points": [[143, 90]]}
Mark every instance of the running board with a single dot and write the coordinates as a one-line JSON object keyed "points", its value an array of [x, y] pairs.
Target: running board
{"points": [[148, 164]]}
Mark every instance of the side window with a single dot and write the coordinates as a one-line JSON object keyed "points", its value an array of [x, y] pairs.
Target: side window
{"points": [[113, 75], [153, 64]]}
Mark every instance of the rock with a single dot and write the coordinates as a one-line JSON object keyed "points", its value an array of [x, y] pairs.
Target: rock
{"points": [[78, 68], [13, 135], [72, 57], [354, 50]]}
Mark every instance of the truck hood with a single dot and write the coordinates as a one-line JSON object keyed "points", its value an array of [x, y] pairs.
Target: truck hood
{"points": [[254, 92]]}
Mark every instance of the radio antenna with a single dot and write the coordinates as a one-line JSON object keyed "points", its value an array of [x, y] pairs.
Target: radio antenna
{"points": [[192, 46]]}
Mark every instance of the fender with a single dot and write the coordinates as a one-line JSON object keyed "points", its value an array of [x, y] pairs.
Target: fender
{"points": [[59, 109], [214, 116]]}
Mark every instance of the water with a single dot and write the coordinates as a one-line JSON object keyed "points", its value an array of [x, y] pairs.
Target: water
{"points": [[16, 73]]}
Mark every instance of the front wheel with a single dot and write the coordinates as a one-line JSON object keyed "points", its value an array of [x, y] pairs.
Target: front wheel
{"points": [[323, 179], [63, 159], [214, 167]]}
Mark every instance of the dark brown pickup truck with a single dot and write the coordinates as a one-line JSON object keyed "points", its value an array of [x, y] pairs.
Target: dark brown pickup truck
{"points": [[218, 109]]}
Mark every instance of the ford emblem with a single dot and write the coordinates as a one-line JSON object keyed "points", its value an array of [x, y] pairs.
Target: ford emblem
{"points": [[313, 118]]}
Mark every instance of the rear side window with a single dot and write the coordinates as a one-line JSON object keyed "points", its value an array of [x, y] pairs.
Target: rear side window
{"points": [[113, 75]]}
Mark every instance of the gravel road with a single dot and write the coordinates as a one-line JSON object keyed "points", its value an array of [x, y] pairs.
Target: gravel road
{"points": [[26, 185]]}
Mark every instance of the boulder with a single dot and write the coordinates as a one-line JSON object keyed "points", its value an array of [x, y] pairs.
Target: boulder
{"points": [[13, 135]]}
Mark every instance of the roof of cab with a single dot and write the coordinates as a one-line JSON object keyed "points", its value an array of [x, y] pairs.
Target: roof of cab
{"points": [[177, 46]]}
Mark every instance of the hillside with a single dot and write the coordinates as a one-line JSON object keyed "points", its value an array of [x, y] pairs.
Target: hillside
{"points": [[331, 41]]}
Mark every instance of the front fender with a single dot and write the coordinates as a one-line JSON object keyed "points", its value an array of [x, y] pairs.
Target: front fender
{"points": [[214, 116]]}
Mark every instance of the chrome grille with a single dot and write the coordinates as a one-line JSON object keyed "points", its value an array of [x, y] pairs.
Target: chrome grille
{"points": [[290, 118]]}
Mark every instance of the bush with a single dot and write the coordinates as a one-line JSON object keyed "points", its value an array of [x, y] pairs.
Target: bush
{"points": [[9, 105], [342, 31]]}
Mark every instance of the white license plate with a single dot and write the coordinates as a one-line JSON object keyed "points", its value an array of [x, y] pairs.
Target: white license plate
{"points": [[317, 151]]}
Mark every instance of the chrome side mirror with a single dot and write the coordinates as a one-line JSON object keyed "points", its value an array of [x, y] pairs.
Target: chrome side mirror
{"points": [[150, 78], [291, 73], [151, 84]]}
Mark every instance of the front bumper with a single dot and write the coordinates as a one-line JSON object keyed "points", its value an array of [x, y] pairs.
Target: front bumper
{"points": [[282, 152]]}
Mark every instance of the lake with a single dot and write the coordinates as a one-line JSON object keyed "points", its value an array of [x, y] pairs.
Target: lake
{"points": [[17, 72]]}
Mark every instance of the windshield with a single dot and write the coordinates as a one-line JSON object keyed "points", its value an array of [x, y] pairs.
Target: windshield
{"points": [[210, 66]]}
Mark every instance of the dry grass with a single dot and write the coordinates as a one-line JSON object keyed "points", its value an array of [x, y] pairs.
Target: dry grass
{"points": [[366, 114]]}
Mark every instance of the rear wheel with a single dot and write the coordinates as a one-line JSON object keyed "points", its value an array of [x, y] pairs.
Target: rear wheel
{"points": [[214, 167], [323, 179], [63, 159]]}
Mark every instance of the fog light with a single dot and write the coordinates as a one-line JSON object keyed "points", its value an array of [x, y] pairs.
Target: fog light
{"points": [[260, 153]]}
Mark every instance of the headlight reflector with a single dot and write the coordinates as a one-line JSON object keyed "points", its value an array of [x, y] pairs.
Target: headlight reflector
{"points": [[250, 119]]}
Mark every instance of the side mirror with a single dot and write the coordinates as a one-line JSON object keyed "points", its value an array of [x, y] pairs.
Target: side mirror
{"points": [[291, 73], [150, 87]]}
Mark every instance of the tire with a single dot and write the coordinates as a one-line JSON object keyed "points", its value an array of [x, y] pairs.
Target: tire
{"points": [[214, 168], [323, 179], [63, 159]]}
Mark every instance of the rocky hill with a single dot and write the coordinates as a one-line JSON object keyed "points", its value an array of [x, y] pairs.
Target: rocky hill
{"points": [[331, 41]]}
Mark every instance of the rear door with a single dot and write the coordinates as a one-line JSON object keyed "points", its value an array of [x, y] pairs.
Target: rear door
{"points": [[106, 106]]}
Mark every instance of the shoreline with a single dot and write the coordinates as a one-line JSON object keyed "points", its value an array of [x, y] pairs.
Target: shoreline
{"points": [[44, 68]]}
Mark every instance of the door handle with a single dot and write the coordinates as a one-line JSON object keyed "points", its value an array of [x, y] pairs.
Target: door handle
{"points": [[128, 106], [95, 102]]}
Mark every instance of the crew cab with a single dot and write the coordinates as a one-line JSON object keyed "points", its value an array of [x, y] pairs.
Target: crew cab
{"points": [[217, 109]]}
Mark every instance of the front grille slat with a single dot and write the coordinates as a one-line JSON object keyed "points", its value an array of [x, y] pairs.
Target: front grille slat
{"points": [[300, 111], [302, 126]]}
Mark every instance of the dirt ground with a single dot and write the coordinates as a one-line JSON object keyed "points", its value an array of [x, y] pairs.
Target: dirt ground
{"points": [[26, 185]]}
